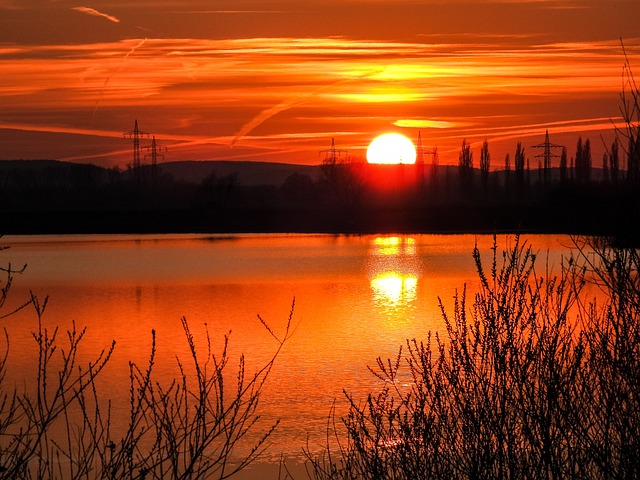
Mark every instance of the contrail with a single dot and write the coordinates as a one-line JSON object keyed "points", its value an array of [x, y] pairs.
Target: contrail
{"points": [[96, 13], [266, 114], [134, 49], [106, 82], [290, 103]]}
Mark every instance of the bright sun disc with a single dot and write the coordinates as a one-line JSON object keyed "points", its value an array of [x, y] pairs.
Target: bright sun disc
{"points": [[391, 148]]}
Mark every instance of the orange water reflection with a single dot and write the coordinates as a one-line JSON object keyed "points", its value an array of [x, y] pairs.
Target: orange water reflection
{"points": [[393, 289], [394, 270]]}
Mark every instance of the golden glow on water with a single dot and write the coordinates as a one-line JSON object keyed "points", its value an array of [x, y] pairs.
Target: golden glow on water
{"points": [[387, 245], [395, 270], [394, 289]]}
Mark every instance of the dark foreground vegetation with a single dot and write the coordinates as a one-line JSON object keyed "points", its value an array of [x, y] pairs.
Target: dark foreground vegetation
{"points": [[532, 380], [60, 424]]}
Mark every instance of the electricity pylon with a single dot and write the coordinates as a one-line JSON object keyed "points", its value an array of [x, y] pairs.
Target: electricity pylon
{"points": [[331, 155], [135, 134], [329, 164], [154, 153], [420, 153], [547, 155]]}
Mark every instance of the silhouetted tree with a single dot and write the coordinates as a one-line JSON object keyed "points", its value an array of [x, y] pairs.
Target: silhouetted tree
{"points": [[633, 160], [578, 162], [218, 190], [346, 184], [507, 171], [583, 161], [614, 161], [630, 111], [563, 165], [465, 164], [587, 159], [298, 189], [605, 167], [485, 161], [540, 172], [519, 165], [115, 175]]}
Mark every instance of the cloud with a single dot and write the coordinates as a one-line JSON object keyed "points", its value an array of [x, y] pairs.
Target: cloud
{"points": [[425, 123], [268, 95], [96, 13]]}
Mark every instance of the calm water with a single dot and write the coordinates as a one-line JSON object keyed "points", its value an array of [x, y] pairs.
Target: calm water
{"points": [[356, 298]]}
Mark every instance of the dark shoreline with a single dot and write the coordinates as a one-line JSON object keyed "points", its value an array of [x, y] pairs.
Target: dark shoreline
{"points": [[441, 220], [51, 197]]}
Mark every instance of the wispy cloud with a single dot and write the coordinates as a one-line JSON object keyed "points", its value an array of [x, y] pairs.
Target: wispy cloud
{"points": [[209, 94], [95, 13], [426, 123]]}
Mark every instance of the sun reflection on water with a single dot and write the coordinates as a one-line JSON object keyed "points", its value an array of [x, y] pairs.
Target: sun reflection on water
{"points": [[394, 289], [394, 271]]}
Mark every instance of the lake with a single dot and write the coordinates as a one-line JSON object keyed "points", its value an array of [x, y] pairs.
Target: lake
{"points": [[356, 298]]}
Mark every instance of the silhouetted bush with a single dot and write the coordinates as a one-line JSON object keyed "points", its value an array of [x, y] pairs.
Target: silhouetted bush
{"points": [[530, 381], [194, 427]]}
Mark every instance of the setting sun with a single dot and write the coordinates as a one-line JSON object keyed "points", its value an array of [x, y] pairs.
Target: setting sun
{"points": [[391, 148]]}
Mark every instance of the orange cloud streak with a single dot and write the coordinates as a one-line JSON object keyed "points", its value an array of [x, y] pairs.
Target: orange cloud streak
{"points": [[212, 93], [96, 13]]}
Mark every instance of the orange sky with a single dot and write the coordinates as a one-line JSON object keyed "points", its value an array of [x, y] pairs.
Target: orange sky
{"points": [[276, 80]]}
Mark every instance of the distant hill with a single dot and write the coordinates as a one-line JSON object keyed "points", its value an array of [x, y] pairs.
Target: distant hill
{"points": [[43, 165], [249, 173]]}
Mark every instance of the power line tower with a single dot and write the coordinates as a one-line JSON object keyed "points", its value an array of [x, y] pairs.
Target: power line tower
{"points": [[331, 157], [135, 134], [154, 153], [420, 153], [547, 155]]}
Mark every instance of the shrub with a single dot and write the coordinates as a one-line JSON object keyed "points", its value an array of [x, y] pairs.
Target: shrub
{"points": [[530, 381], [193, 427]]}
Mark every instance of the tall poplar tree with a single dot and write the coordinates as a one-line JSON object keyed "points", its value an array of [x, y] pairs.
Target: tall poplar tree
{"points": [[465, 164], [563, 165], [485, 162], [614, 161], [519, 165]]}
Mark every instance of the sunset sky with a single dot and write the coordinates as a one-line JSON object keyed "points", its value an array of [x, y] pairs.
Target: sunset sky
{"points": [[277, 80]]}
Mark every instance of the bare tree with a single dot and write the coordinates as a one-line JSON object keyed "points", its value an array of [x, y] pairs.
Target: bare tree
{"points": [[515, 387], [194, 427], [629, 135]]}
